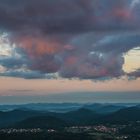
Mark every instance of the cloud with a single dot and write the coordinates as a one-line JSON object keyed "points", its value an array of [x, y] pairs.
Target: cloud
{"points": [[119, 43], [134, 74], [22, 74], [73, 38], [63, 16]]}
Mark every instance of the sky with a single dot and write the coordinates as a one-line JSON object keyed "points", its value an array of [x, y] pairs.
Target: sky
{"points": [[56, 47]]}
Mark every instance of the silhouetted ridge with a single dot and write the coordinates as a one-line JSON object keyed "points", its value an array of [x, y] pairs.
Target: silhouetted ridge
{"points": [[123, 115], [48, 122]]}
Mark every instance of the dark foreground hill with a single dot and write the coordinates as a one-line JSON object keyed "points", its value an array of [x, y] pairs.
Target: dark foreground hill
{"points": [[57, 120], [31, 119], [11, 117], [80, 117], [43, 122], [83, 117], [126, 115]]}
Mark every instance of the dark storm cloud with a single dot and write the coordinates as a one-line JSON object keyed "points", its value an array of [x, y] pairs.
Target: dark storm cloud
{"points": [[118, 43], [94, 66], [83, 39], [48, 16], [58, 16], [135, 74]]}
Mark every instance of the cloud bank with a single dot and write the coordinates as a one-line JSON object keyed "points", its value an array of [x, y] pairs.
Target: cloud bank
{"points": [[84, 39]]}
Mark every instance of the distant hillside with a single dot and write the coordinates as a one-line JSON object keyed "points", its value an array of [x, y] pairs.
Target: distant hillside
{"points": [[55, 107], [104, 108]]}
